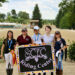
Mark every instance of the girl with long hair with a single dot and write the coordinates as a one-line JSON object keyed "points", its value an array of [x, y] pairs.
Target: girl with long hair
{"points": [[8, 45], [59, 46]]}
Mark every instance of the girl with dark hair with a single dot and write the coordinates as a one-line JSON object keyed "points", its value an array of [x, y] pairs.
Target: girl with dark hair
{"points": [[8, 45], [59, 46], [24, 38]]}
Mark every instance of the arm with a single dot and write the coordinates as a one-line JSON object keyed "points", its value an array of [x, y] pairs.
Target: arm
{"points": [[64, 44], [17, 42], [2, 50]]}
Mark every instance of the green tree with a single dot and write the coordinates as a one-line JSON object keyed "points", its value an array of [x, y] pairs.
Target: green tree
{"points": [[9, 17], [58, 18], [66, 14], [72, 18], [13, 13], [2, 1], [2, 17], [23, 15], [37, 15], [65, 22]]}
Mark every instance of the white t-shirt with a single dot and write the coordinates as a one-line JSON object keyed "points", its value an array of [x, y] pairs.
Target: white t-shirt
{"points": [[37, 38], [48, 39]]}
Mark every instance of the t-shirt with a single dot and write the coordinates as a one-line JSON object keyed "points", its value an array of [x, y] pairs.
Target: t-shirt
{"points": [[6, 44], [37, 38], [24, 41], [48, 39], [59, 44]]}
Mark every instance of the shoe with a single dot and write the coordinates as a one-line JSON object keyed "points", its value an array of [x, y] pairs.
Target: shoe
{"points": [[8, 71], [11, 71]]}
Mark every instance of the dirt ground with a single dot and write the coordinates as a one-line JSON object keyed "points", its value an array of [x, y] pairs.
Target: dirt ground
{"points": [[69, 68]]}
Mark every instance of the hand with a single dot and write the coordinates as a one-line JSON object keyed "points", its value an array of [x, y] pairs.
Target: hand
{"points": [[60, 51], [1, 56], [43, 43]]}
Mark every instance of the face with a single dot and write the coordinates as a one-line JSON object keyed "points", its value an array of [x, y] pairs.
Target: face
{"points": [[57, 35], [36, 31], [47, 30], [10, 35], [24, 32]]}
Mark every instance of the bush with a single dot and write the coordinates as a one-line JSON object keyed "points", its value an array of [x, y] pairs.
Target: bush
{"points": [[72, 51], [1, 41]]}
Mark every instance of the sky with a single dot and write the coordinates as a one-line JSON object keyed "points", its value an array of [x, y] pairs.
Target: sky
{"points": [[48, 8]]}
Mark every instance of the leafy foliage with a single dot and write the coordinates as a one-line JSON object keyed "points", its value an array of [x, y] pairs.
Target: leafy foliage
{"points": [[72, 51], [66, 16], [65, 21], [2, 1], [37, 15], [21, 17], [1, 41], [2, 17], [48, 22]]}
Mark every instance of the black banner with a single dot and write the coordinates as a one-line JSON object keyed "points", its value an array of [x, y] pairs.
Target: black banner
{"points": [[35, 58]]}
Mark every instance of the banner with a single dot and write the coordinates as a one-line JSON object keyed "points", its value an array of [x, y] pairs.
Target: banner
{"points": [[35, 58]]}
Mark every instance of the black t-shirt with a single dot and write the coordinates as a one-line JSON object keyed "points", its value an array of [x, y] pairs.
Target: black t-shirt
{"points": [[6, 48], [59, 43]]}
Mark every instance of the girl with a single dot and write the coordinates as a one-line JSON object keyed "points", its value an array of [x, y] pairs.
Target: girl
{"points": [[59, 45], [24, 39], [8, 45], [48, 37], [37, 38]]}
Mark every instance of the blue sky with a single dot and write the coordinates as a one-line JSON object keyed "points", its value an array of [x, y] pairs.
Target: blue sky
{"points": [[48, 8]]}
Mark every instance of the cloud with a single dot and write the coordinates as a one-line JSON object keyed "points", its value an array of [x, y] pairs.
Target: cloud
{"points": [[48, 8]]}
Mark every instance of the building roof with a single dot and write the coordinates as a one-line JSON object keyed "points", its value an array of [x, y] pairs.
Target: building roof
{"points": [[34, 20]]}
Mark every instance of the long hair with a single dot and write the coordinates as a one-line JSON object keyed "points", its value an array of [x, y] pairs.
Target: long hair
{"points": [[8, 37], [8, 33], [55, 38]]}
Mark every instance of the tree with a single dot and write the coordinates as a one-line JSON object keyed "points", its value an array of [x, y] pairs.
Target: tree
{"points": [[13, 13], [2, 1], [66, 16], [65, 22], [2, 17], [72, 18], [58, 18], [37, 15], [23, 15]]}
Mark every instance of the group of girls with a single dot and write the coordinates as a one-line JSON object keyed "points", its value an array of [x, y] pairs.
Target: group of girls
{"points": [[10, 43]]}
